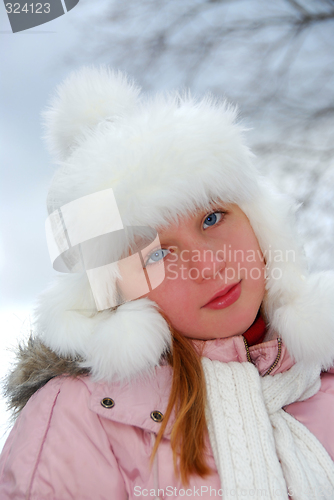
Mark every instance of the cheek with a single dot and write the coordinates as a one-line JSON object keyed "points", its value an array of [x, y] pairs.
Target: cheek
{"points": [[173, 298], [248, 258], [256, 268], [246, 242]]}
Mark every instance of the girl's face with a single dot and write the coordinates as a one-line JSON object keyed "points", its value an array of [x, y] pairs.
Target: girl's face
{"points": [[205, 254]]}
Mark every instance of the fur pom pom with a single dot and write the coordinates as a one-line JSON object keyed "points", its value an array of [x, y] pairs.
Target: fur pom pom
{"points": [[306, 324], [84, 99], [127, 342]]}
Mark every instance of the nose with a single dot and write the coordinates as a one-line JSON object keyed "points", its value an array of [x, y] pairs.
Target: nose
{"points": [[204, 264]]}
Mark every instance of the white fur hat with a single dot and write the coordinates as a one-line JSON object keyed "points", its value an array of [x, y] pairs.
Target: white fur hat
{"points": [[164, 156]]}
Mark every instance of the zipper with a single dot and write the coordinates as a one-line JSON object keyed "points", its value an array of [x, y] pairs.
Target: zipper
{"points": [[279, 352], [278, 357], [247, 351]]}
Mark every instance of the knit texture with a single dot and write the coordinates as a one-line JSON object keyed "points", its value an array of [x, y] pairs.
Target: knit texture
{"points": [[260, 450]]}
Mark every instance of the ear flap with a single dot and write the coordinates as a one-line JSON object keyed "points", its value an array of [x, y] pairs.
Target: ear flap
{"points": [[114, 345], [87, 97], [306, 323], [65, 315]]}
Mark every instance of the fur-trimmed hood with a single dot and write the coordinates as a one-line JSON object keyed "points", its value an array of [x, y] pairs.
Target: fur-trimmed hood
{"points": [[35, 364]]}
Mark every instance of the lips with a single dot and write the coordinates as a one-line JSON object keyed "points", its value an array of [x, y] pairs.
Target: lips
{"points": [[225, 297]]}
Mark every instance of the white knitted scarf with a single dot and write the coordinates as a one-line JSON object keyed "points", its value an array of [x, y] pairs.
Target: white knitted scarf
{"points": [[262, 452]]}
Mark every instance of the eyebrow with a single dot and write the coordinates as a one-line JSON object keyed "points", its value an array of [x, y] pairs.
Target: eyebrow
{"points": [[217, 202]]}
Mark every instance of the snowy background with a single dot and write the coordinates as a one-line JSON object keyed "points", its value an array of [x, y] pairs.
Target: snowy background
{"points": [[275, 59]]}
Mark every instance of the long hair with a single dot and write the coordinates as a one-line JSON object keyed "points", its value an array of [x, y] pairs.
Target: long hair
{"points": [[187, 398]]}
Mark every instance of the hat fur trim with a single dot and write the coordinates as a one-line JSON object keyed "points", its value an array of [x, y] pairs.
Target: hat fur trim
{"points": [[164, 158]]}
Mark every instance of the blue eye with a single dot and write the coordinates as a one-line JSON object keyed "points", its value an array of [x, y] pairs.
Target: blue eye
{"points": [[212, 219], [156, 256]]}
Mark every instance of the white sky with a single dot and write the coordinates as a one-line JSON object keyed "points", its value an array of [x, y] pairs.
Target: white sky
{"points": [[32, 64]]}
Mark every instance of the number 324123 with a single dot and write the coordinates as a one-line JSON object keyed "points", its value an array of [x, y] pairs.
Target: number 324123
{"points": [[37, 8]]}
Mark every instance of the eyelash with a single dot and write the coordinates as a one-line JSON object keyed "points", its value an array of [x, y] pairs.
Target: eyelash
{"points": [[216, 212], [158, 261], [208, 215]]}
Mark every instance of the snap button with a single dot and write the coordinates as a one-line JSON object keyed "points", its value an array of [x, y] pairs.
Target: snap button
{"points": [[107, 402], [157, 416]]}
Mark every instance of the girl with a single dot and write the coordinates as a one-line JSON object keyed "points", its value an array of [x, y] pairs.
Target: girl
{"points": [[184, 350]]}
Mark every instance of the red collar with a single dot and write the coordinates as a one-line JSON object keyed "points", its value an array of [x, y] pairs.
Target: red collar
{"points": [[256, 332]]}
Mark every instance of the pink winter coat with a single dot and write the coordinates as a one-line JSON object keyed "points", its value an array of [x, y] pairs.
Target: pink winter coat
{"points": [[68, 444]]}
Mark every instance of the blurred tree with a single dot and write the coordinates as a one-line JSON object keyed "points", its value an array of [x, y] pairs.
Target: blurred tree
{"points": [[275, 59], [260, 53]]}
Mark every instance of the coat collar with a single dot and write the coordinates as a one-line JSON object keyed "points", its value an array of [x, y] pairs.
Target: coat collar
{"points": [[135, 401]]}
